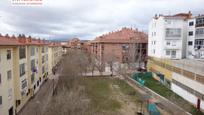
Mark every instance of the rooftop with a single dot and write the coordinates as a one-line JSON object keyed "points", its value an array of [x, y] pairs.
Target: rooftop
{"points": [[23, 40], [125, 35]]}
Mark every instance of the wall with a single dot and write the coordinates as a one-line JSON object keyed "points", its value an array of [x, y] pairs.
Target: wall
{"points": [[6, 85]]}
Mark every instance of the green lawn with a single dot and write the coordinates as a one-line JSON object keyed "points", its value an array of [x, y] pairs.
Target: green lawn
{"points": [[162, 90], [99, 91], [101, 94]]}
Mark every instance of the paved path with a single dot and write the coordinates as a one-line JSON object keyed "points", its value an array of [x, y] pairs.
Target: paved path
{"points": [[38, 104]]}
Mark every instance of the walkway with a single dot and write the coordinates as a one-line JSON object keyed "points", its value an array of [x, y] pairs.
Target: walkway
{"points": [[38, 104]]}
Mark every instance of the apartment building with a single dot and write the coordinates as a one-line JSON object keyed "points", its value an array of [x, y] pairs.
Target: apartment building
{"points": [[7, 98], [167, 36], [168, 57], [195, 49], [55, 52], [125, 45], [23, 69]]}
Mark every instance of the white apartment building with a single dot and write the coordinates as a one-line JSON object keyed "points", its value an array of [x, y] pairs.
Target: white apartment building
{"points": [[167, 36], [195, 49], [172, 39]]}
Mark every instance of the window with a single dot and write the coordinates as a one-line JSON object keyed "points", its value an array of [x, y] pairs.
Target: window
{"points": [[173, 54], [8, 54], [200, 32], [24, 84], [22, 52], [191, 23], [155, 33], [43, 49], [0, 100], [32, 50], [43, 69], [199, 43], [200, 22], [190, 43], [9, 75], [43, 59], [32, 78], [10, 93], [125, 46], [173, 32], [37, 83], [22, 69], [32, 64], [190, 33], [168, 43], [167, 52]]}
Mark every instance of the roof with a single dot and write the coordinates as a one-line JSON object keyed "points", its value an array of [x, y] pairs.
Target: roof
{"points": [[179, 16], [22, 40], [125, 35]]}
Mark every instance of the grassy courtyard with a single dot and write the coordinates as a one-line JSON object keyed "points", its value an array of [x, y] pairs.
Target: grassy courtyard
{"points": [[111, 96]]}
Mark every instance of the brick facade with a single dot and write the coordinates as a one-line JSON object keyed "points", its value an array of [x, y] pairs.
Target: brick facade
{"points": [[120, 44]]}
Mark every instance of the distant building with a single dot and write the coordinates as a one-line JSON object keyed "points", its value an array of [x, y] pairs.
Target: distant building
{"points": [[126, 45], [74, 43]]}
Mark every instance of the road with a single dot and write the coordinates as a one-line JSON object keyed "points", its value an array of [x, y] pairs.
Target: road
{"points": [[38, 104]]}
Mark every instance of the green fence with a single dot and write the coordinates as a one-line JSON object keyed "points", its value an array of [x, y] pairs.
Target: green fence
{"points": [[139, 77]]}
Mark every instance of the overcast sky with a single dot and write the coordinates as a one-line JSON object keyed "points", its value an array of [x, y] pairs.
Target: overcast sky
{"points": [[65, 19]]}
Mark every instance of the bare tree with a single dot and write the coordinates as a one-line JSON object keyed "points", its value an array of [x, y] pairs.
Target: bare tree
{"points": [[100, 67], [110, 60], [92, 63], [122, 69], [70, 98]]}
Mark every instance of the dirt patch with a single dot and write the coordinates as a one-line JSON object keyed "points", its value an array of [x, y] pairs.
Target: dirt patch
{"points": [[128, 107]]}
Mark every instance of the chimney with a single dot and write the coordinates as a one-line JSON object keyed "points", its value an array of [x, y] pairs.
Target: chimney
{"points": [[155, 16], [39, 40], [189, 14], [7, 36]]}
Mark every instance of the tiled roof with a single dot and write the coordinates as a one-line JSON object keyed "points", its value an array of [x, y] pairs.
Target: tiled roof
{"points": [[126, 35], [8, 41], [15, 41]]}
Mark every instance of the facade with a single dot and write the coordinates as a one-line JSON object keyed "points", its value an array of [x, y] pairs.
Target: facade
{"points": [[125, 45], [168, 36], [74, 43], [170, 64], [23, 69], [195, 49], [55, 52]]}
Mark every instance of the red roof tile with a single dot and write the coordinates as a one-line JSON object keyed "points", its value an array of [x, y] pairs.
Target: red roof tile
{"points": [[126, 35]]}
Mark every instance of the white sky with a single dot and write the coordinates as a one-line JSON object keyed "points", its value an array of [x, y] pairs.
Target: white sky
{"points": [[64, 19]]}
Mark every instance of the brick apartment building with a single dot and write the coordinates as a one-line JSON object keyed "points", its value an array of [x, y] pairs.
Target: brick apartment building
{"points": [[126, 45]]}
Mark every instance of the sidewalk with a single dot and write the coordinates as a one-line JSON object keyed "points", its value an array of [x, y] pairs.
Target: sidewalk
{"points": [[38, 104]]}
